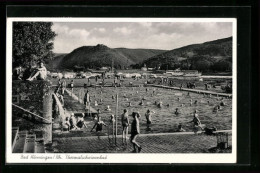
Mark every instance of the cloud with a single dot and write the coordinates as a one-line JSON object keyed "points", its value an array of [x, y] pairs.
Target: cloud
{"points": [[122, 30], [100, 30], [150, 35]]}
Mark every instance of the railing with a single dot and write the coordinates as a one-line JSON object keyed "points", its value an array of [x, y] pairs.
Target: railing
{"points": [[49, 122]]}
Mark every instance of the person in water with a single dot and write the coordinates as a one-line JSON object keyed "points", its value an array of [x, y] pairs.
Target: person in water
{"points": [[135, 131], [196, 120], [99, 126], [148, 116], [125, 124]]}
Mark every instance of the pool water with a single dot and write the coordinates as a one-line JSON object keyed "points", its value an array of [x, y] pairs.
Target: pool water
{"points": [[163, 120]]}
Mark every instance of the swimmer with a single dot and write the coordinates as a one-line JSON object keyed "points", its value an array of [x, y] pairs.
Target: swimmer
{"points": [[148, 116], [222, 103], [195, 102], [108, 108], [142, 103], [180, 129], [160, 104], [196, 121], [178, 99], [176, 111]]}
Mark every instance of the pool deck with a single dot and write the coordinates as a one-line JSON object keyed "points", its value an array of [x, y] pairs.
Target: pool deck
{"points": [[154, 143], [191, 90]]}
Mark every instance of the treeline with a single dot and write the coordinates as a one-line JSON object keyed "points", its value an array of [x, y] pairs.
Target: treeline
{"points": [[200, 63]]}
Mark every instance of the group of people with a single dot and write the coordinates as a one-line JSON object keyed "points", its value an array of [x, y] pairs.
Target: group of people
{"points": [[135, 129], [75, 123]]}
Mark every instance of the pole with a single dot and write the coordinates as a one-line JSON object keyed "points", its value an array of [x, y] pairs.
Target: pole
{"points": [[116, 117]]}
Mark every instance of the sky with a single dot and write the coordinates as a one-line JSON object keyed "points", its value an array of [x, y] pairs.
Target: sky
{"points": [[147, 35]]}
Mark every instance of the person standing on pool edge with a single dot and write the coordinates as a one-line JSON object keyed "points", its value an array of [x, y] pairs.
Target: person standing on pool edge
{"points": [[135, 131], [125, 124], [87, 102]]}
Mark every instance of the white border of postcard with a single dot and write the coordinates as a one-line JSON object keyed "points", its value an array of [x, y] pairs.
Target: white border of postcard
{"points": [[117, 158]]}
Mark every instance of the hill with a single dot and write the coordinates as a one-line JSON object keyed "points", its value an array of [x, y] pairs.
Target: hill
{"points": [[53, 64], [206, 56], [101, 55]]}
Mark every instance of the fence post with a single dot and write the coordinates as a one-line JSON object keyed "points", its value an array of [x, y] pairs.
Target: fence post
{"points": [[47, 114]]}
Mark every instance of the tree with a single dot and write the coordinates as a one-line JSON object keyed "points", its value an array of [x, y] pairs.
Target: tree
{"points": [[32, 41], [222, 65], [202, 65]]}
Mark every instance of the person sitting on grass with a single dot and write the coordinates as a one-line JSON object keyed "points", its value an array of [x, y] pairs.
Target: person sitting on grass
{"points": [[99, 126], [39, 73]]}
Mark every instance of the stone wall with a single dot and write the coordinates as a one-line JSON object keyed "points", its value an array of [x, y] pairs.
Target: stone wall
{"points": [[30, 96]]}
